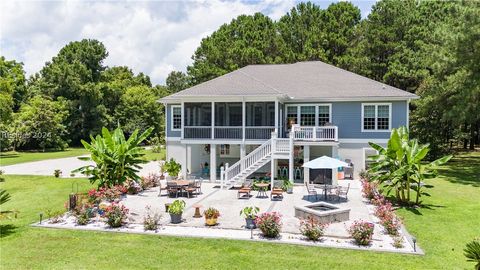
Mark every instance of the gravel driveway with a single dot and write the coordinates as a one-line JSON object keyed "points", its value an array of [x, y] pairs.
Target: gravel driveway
{"points": [[66, 165]]}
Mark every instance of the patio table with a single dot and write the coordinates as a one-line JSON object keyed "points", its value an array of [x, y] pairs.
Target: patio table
{"points": [[182, 184], [262, 190], [326, 188]]}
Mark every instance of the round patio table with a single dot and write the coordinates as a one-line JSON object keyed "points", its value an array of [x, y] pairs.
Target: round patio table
{"points": [[328, 188], [262, 190], [182, 184]]}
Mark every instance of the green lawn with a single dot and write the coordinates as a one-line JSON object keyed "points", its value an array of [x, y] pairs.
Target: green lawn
{"points": [[450, 219], [10, 158], [152, 156]]}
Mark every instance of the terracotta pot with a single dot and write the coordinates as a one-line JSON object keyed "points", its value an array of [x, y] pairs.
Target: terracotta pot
{"points": [[211, 221]]}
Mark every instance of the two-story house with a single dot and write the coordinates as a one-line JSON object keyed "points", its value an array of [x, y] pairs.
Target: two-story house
{"points": [[273, 118]]}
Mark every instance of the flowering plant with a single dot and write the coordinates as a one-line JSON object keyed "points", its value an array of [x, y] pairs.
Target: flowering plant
{"points": [[378, 199], [151, 220], [83, 212], [312, 229], [110, 194], [369, 189], [211, 213], [391, 224], [115, 215], [150, 181], [270, 224], [362, 232]]}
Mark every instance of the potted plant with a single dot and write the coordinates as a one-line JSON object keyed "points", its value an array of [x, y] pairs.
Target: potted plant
{"points": [[176, 210], [172, 167], [287, 186], [250, 214], [211, 215]]}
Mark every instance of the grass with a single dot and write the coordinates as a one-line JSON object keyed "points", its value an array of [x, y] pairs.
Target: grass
{"points": [[448, 221], [13, 157]]}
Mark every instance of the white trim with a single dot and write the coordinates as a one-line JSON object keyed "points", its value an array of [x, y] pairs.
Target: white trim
{"points": [[222, 141], [376, 117], [219, 98], [173, 139], [362, 140], [171, 117], [408, 115]]}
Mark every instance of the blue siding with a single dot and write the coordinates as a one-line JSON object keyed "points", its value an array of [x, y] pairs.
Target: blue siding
{"points": [[347, 116], [170, 132]]}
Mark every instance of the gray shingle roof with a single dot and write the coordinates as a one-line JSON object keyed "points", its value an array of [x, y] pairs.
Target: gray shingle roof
{"points": [[303, 80]]}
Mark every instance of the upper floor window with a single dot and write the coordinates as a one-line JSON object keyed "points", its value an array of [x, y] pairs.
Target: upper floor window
{"points": [[224, 149], [176, 117], [376, 117], [307, 115], [323, 115], [292, 114]]}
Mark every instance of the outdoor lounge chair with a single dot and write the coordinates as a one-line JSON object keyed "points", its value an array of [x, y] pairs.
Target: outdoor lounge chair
{"points": [[277, 190], [245, 189], [311, 191], [343, 192]]}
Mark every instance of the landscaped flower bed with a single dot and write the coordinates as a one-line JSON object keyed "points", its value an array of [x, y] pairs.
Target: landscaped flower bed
{"points": [[362, 232], [270, 224]]}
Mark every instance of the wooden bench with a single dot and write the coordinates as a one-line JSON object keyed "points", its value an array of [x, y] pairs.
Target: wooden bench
{"points": [[277, 193]]}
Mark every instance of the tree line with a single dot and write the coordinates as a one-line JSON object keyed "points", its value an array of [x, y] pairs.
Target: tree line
{"points": [[431, 48]]}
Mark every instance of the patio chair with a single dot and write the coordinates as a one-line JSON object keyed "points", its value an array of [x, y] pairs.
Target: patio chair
{"points": [[198, 186], [245, 189], [191, 189], [343, 191], [277, 190], [311, 191], [173, 189], [160, 188]]}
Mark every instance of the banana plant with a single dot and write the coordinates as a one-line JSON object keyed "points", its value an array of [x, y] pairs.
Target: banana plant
{"points": [[401, 167], [116, 158]]}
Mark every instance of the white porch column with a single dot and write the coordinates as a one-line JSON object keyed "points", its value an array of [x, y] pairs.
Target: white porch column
{"points": [[243, 153], [276, 116], [182, 119], [244, 121], [213, 120], [213, 162], [306, 158], [290, 159], [185, 163], [335, 176]]}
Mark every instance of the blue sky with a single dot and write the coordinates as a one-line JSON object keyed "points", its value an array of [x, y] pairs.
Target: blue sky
{"points": [[154, 37]]}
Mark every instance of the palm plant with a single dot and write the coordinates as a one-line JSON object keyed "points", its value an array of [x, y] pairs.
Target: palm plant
{"points": [[400, 166], [117, 159], [472, 252]]}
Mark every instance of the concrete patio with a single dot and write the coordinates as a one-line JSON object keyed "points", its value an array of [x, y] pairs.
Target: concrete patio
{"points": [[229, 206]]}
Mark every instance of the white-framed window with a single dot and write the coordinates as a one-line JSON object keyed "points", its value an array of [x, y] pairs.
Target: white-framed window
{"points": [[376, 117], [224, 149], [309, 114], [324, 114], [176, 117]]}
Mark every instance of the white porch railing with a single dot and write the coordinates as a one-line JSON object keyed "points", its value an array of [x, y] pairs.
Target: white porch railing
{"points": [[259, 153], [325, 133], [197, 132], [282, 145], [259, 133], [224, 132]]}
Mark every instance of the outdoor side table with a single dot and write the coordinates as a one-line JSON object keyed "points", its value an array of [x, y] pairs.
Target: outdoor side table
{"points": [[262, 190]]}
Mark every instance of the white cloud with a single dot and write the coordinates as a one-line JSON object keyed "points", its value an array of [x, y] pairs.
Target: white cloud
{"points": [[150, 37]]}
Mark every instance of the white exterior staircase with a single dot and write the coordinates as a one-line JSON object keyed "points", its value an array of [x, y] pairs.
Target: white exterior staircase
{"points": [[238, 172]]}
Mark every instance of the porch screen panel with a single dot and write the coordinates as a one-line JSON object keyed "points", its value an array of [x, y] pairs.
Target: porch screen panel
{"points": [[260, 114], [198, 114], [323, 115], [369, 117], [383, 117], [228, 114], [307, 115]]}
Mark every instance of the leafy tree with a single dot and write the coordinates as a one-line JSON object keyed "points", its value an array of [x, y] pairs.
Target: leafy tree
{"points": [[13, 84], [177, 81], [73, 74], [244, 41], [117, 158], [139, 109], [400, 165], [39, 123]]}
